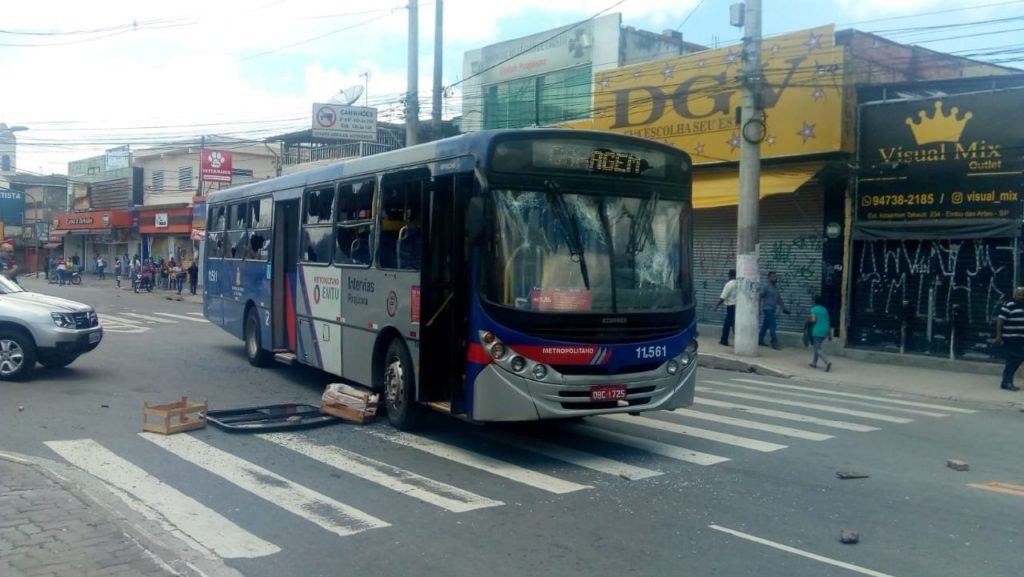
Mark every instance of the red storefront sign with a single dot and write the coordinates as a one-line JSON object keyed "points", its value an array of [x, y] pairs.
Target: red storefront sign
{"points": [[95, 220], [215, 166]]}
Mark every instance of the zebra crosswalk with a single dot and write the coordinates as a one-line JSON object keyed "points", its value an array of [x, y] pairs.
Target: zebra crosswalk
{"points": [[454, 473], [136, 323]]}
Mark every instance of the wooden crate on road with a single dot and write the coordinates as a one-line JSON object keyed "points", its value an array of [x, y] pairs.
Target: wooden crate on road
{"points": [[189, 415]]}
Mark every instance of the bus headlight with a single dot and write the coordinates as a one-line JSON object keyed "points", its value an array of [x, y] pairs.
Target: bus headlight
{"points": [[498, 351], [518, 364], [673, 367], [539, 372]]}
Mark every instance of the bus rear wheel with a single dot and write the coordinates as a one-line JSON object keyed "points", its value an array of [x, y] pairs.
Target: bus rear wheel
{"points": [[404, 412], [257, 355]]}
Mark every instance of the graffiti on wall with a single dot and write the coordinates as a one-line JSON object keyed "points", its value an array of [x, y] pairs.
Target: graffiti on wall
{"points": [[945, 283]]}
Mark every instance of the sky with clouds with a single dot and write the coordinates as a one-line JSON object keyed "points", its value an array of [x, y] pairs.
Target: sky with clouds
{"points": [[87, 76]]}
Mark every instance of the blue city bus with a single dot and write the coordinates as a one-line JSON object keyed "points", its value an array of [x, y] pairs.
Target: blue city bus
{"points": [[506, 275]]}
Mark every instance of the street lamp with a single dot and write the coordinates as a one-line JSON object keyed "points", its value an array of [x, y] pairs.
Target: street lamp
{"points": [[7, 137]]}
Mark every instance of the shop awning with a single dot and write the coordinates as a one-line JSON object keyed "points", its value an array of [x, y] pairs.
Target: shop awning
{"points": [[721, 186], [52, 245], [938, 229]]}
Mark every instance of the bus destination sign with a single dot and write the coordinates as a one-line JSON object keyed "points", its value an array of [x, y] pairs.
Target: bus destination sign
{"points": [[598, 158]]}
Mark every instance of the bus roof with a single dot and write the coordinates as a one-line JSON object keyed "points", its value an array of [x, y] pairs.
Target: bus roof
{"points": [[473, 144]]}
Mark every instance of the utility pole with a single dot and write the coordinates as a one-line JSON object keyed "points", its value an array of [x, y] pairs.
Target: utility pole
{"points": [[751, 131], [435, 111], [412, 106]]}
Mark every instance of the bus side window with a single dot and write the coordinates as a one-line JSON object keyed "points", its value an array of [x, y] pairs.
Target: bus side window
{"points": [[238, 235], [400, 223], [260, 222], [215, 235], [354, 231], [317, 230]]}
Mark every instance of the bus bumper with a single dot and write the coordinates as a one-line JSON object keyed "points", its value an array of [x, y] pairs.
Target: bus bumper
{"points": [[499, 395]]}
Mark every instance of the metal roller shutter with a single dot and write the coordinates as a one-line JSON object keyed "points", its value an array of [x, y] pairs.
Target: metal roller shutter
{"points": [[948, 286], [791, 237]]}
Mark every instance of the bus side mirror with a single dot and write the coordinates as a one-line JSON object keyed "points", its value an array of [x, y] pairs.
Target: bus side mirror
{"points": [[475, 220]]}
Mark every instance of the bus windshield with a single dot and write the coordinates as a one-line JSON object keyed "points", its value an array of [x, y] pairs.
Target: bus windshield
{"points": [[587, 251]]}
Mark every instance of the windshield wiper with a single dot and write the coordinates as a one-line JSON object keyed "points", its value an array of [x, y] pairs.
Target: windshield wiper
{"points": [[569, 225], [640, 225]]}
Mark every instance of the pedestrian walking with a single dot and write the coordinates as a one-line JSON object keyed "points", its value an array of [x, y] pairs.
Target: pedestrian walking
{"points": [[771, 301], [118, 270], [728, 298], [1010, 334], [62, 270], [165, 274], [8, 268], [193, 276], [821, 329], [179, 276], [101, 267]]}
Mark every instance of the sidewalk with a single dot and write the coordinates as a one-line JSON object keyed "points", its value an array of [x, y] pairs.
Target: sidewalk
{"points": [[57, 521], [973, 382]]}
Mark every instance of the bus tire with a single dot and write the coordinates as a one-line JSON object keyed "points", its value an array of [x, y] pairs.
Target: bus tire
{"points": [[257, 355], [404, 412]]}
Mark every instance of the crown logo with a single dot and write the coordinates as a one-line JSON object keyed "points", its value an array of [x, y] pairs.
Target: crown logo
{"points": [[939, 127]]}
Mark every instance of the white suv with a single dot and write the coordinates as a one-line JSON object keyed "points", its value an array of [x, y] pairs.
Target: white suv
{"points": [[37, 327]]}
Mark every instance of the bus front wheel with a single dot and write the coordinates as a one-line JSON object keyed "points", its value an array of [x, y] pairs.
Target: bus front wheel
{"points": [[404, 412], [257, 355]]}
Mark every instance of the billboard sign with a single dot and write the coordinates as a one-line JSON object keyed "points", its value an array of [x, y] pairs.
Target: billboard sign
{"points": [[947, 158], [12, 206], [344, 122], [216, 166], [118, 157], [690, 101]]}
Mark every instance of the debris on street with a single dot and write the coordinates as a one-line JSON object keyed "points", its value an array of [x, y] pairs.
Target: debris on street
{"points": [[283, 417], [190, 416], [851, 475], [355, 404], [957, 465], [849, 537]]}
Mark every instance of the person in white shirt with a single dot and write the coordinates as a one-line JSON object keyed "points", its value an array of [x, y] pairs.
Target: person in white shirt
{"points": [[728, 298]]}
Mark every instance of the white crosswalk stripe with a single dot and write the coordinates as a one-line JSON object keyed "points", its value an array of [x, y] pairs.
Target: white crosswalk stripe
{"points": [[754, 425], [581, 458], [835, 400], [302, 501], [724, 438], [875, 399], [149, 319], [185, 317], [116, 324], [814, 406], [203, 528], [656, 447], [387, 476], [195, 314], [785, 416], [484, 463]]}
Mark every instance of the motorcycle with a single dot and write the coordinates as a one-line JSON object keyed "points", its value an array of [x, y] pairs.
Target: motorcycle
{"points": [[142, 281]]}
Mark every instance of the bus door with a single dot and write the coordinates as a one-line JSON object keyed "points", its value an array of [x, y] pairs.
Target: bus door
{"points": [[443, 297], [283, 269]]}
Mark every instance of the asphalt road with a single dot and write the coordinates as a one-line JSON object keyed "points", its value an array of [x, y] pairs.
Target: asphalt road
{"points": [[743, 485]]}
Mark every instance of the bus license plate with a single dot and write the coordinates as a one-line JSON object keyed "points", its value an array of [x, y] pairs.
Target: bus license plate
{"points": [[608, 393]]}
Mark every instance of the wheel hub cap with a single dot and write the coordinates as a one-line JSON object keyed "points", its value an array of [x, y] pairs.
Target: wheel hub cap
{"points": [[11, 356], [394, 380]]}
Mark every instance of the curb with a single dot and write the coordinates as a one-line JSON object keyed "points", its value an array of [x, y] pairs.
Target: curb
{"points": [[725, 363], [149, 534]]}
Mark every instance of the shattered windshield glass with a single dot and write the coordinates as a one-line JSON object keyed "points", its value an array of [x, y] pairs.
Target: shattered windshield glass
{"points": [[572, 251]]}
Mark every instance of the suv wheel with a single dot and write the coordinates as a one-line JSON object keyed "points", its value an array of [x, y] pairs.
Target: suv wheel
{"points": [[17, 355]]}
